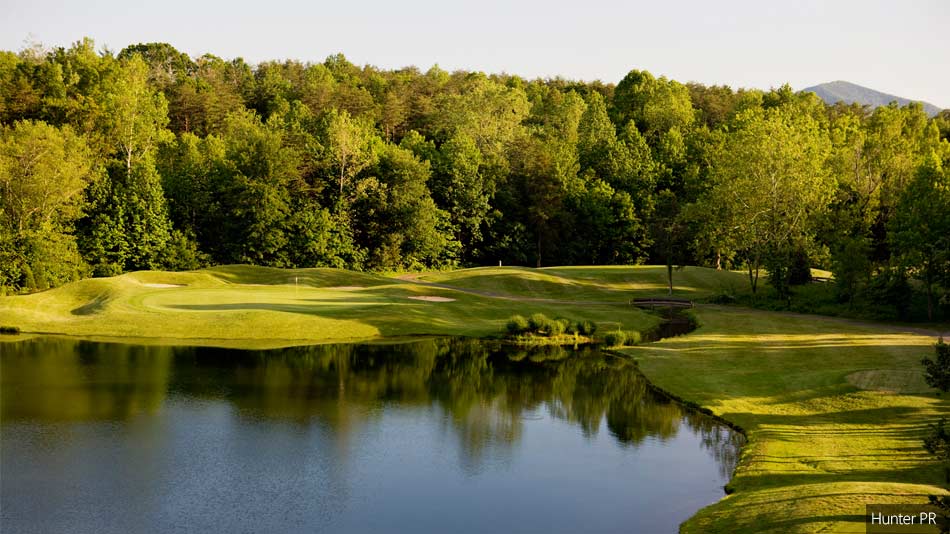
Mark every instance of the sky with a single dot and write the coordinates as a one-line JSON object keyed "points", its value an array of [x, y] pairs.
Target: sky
{"points": [[901, 48]]}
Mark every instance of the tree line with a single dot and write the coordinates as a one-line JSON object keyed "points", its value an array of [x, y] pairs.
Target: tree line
{"points": [[151, 159]]}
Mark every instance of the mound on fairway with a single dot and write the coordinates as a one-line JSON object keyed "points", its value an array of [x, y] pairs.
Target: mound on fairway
{"points": [[263, 307]]}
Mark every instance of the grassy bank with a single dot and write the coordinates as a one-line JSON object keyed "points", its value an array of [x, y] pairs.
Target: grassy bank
{"points": [[261, 307], [835, 413]]}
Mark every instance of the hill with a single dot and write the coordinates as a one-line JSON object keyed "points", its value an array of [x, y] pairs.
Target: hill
{"points": [[847, 92]]}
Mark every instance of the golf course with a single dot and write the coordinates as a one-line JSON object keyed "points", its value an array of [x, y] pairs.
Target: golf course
{"points": [[834, 410]]}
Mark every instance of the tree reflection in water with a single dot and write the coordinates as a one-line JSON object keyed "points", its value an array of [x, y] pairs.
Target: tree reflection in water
{"points": [[485, 390]]}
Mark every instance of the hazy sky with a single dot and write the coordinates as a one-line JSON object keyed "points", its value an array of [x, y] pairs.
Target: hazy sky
{"points": [[897, 47]]}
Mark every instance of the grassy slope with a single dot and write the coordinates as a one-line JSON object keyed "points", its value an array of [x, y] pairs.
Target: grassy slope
{"points": [[820, 448], [599, 283], [260, 307]]}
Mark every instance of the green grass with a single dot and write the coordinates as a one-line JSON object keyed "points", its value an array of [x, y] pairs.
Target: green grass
{"points": [[820, 445], [596, 283], [260, 307]]}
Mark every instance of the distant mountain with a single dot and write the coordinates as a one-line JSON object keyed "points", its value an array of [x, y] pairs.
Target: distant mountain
{"points": [[849, 93]]}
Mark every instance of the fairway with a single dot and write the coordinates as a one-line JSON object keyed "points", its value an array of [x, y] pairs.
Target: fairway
{"points": [[261, 307], [820, 447]]}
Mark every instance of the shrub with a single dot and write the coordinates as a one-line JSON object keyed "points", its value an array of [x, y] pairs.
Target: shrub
{"points": [[799, 272], [9, 330], [633, 337], [538, 322], [616, 338], [569, 326], [517, 324], [586, 328], [557, 327], [29, 281]]}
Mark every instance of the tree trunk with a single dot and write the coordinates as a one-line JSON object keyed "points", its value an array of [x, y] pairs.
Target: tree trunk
{"points": [[751, 283], [539, 250], [754, 280], [718, 260], [669, 274], [930, 300]]}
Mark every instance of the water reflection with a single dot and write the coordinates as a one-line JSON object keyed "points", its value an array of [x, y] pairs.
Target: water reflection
{"points": [[485, 389], [66, 380], [330, 410]]}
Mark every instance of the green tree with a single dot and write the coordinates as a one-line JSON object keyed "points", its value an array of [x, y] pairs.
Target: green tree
{"points": [[43, 172], [920, 227], [127, 225], [606, 227], [770, 180], [937, 443], [666, 227], [349, 145], [937, 370], [459, 186], [253, 193], [397, 220], [655, 105]]}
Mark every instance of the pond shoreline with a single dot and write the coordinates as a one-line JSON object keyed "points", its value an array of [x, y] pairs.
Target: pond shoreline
{"points": [[691, 323], [452, 409]]}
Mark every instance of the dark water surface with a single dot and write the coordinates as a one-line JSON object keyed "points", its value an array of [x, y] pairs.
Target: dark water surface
{"points": [[438, 435]]}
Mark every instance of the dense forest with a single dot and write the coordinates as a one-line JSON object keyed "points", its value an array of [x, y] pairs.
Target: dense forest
{"points": [[151, 159]]}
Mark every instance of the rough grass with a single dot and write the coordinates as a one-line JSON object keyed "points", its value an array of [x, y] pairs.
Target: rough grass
{"points": [[830, 428], [261, 307]]}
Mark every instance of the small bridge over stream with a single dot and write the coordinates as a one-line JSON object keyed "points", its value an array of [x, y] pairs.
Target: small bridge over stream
{"points": [[661, 303]]}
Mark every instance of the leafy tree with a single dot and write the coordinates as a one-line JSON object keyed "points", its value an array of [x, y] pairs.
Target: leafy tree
{"points": [[127, 225], [666, 227], [397, 220], [610, 230], [920, 228], [769, 182], [349, 145], [43, 172], [937, 443], [852, 267], [166, 64], [937, 370], [655, 105], [189, 162], [459, 186], [624, 161], [253, 192]]}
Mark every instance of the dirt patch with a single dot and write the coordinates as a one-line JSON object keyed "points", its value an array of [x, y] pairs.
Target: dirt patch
{"points": [[163, 286], [432, 298]]}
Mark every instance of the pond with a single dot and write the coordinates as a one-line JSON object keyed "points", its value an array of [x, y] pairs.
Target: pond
{"points": [[433, 435]]}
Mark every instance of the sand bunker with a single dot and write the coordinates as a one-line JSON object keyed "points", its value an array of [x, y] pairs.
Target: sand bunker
{"points": [[163, 285], [432, 298]]}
